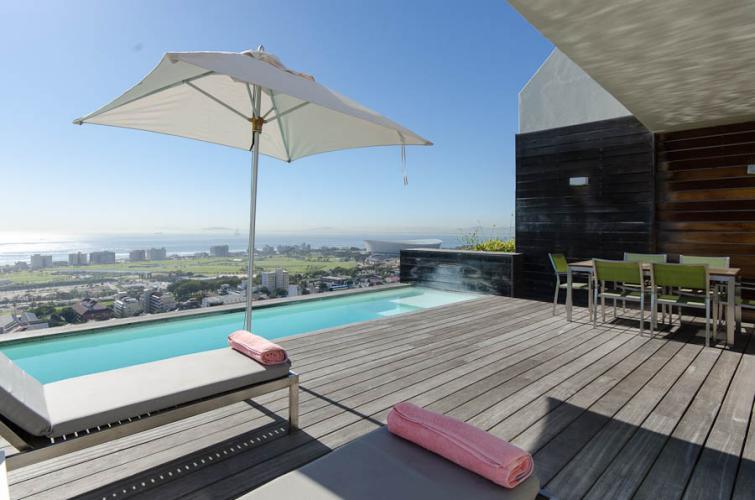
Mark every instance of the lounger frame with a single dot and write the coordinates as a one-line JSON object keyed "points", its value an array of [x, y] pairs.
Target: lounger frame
{"points": [[34, 449]]}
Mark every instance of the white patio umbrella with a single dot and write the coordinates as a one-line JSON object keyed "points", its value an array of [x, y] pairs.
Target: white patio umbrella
{"points": [[248, 100]]}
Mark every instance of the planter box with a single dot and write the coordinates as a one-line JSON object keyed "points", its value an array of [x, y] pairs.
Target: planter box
{"points": [[493, 273]]}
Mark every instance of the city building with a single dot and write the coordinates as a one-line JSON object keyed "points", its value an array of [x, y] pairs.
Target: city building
{"points": [[30, 321], [77, 259], [137, 255], [104, 257], [219, 251], [232, 297], [293, 290], [335, 282], [8, 323], [157, 254], [90, 309], [41, 261], [126, 307], [274, 280], [155, 302]]}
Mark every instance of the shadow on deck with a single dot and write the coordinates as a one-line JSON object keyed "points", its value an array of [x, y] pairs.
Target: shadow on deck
{"points": [[607, 413]]}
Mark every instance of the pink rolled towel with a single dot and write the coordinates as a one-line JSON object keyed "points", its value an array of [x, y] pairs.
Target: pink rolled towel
{"points": [[465, 445], [257, 348]]}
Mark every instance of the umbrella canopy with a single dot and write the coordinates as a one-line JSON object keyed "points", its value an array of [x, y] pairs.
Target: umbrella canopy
{"points": [[229, 98], [208, 96]]}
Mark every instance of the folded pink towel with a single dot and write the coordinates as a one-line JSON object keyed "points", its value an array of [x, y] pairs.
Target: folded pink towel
{"points": [[465, 445], [257, 348]]}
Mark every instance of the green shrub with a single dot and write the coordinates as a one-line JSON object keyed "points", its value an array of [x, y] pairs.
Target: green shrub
{"points": [[495, 245]]}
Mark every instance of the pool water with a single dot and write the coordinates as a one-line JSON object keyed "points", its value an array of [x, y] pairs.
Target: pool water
{"points": [[65, 356]]}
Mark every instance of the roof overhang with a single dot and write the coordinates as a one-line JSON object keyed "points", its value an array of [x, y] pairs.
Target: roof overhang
{"points": [[675, 64]]}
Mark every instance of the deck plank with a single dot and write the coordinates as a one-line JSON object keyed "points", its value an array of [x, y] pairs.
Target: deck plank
{"points": [[627, 470], [670, 473], [606, 412], [716, 469]]}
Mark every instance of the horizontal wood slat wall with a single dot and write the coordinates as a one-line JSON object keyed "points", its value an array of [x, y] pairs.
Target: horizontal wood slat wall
{"points": [[705, 198], [613, 214]]}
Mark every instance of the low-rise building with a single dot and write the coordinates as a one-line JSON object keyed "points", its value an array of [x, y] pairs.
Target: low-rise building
{"points": [[41, 261], [335, 282], [77, 259], [155, 302], [104, 257], [232, 297], [8, 323], [90, 309], [157, 254], [137, 255], [219, 251], [127, 307]]}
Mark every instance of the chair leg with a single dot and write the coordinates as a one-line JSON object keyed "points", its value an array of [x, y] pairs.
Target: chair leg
{"points": [[555, 298], [642, 315], [716, 315], [595, 307], [653, 316], [707, 322], [614, 308]]}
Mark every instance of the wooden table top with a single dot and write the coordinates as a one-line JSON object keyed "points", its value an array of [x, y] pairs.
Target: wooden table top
{"points": [[730, 272]]}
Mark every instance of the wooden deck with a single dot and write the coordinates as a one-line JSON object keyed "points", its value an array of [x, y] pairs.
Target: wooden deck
{"points": [[606, 413]]}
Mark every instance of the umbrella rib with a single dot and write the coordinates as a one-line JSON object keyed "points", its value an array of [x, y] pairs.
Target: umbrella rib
{"points": [[79, 121], [215, 99], [280, 126], [289, 110]]}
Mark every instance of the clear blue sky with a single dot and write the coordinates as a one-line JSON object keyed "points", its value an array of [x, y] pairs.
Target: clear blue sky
{"points": [[448, 70]]}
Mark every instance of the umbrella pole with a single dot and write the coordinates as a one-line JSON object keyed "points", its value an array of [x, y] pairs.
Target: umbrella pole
{"points": [[256, 131]]}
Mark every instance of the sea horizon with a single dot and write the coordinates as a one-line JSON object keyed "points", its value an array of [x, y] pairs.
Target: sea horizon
{"points": [[22, 247]]}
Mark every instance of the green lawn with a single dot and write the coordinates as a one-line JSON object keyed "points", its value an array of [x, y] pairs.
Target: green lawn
{"points": [[207, 266]]}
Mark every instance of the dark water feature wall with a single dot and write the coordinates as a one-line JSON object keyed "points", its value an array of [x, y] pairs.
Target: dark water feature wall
{"points": [[464, 271]]}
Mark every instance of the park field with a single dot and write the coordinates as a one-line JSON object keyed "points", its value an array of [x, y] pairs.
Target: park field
{"points": [[201, 266]]}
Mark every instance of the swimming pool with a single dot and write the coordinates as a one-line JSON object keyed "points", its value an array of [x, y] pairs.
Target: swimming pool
{"points": [[65, 356]]}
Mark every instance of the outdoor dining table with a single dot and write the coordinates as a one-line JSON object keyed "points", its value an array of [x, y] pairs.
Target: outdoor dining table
{"points": [[727, 277]]}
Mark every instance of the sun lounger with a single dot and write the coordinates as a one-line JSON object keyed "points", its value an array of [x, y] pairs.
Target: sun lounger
{"points": [[43, 421], [381, 465]]}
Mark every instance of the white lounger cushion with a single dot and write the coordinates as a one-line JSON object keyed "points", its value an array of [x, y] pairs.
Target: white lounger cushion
{"points": [[85, 402], [381, 466], [22, 399]]}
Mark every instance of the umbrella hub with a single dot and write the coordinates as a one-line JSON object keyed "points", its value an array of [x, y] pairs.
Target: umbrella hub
{"points": [[257, 122]]}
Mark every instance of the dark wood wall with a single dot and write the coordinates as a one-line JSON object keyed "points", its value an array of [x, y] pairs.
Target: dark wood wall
{"points": [[705, 198], [613, 214]]}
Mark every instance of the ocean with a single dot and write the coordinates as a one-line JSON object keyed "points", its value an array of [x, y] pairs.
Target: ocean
{"points": [[20, 246]]}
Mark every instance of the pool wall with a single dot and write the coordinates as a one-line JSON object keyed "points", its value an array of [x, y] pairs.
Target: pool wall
{"points": [[94, 327]]}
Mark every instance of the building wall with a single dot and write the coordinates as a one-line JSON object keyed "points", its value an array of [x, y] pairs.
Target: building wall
{"points": [[612, 214], [705, 197], [560, 94]]}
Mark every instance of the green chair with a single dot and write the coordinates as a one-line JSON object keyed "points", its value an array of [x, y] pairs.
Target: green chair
{"points": [[646, 258], [610, 277], [715, 262], [561, 268], [742, 303], [667, 279], [718, 262]]}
